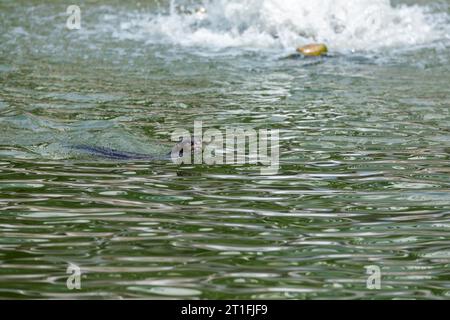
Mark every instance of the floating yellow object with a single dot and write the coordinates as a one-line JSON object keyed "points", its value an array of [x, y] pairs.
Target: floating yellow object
{"points": [[313, 50], [201, 10]]}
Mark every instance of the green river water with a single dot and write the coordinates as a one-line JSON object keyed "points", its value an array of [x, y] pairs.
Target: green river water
{"points": [[364, 162]]}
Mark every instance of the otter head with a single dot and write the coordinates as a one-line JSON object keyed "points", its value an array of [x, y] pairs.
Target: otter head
{"points": [[186, 147]]}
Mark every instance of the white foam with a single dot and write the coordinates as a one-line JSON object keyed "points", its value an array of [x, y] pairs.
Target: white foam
{"points": [[360, 25]]}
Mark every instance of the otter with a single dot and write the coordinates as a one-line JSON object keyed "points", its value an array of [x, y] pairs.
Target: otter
{"points": [[178, 151]]}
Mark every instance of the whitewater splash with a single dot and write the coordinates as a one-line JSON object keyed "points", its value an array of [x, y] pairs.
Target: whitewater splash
{"points": [[343, 24]]}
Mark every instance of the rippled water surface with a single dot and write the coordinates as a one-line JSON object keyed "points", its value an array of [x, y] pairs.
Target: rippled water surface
{"points": [[364, 168]]}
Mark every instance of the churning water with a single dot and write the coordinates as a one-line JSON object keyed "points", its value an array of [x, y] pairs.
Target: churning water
{"points": [[364, 149], [344, 25]]}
